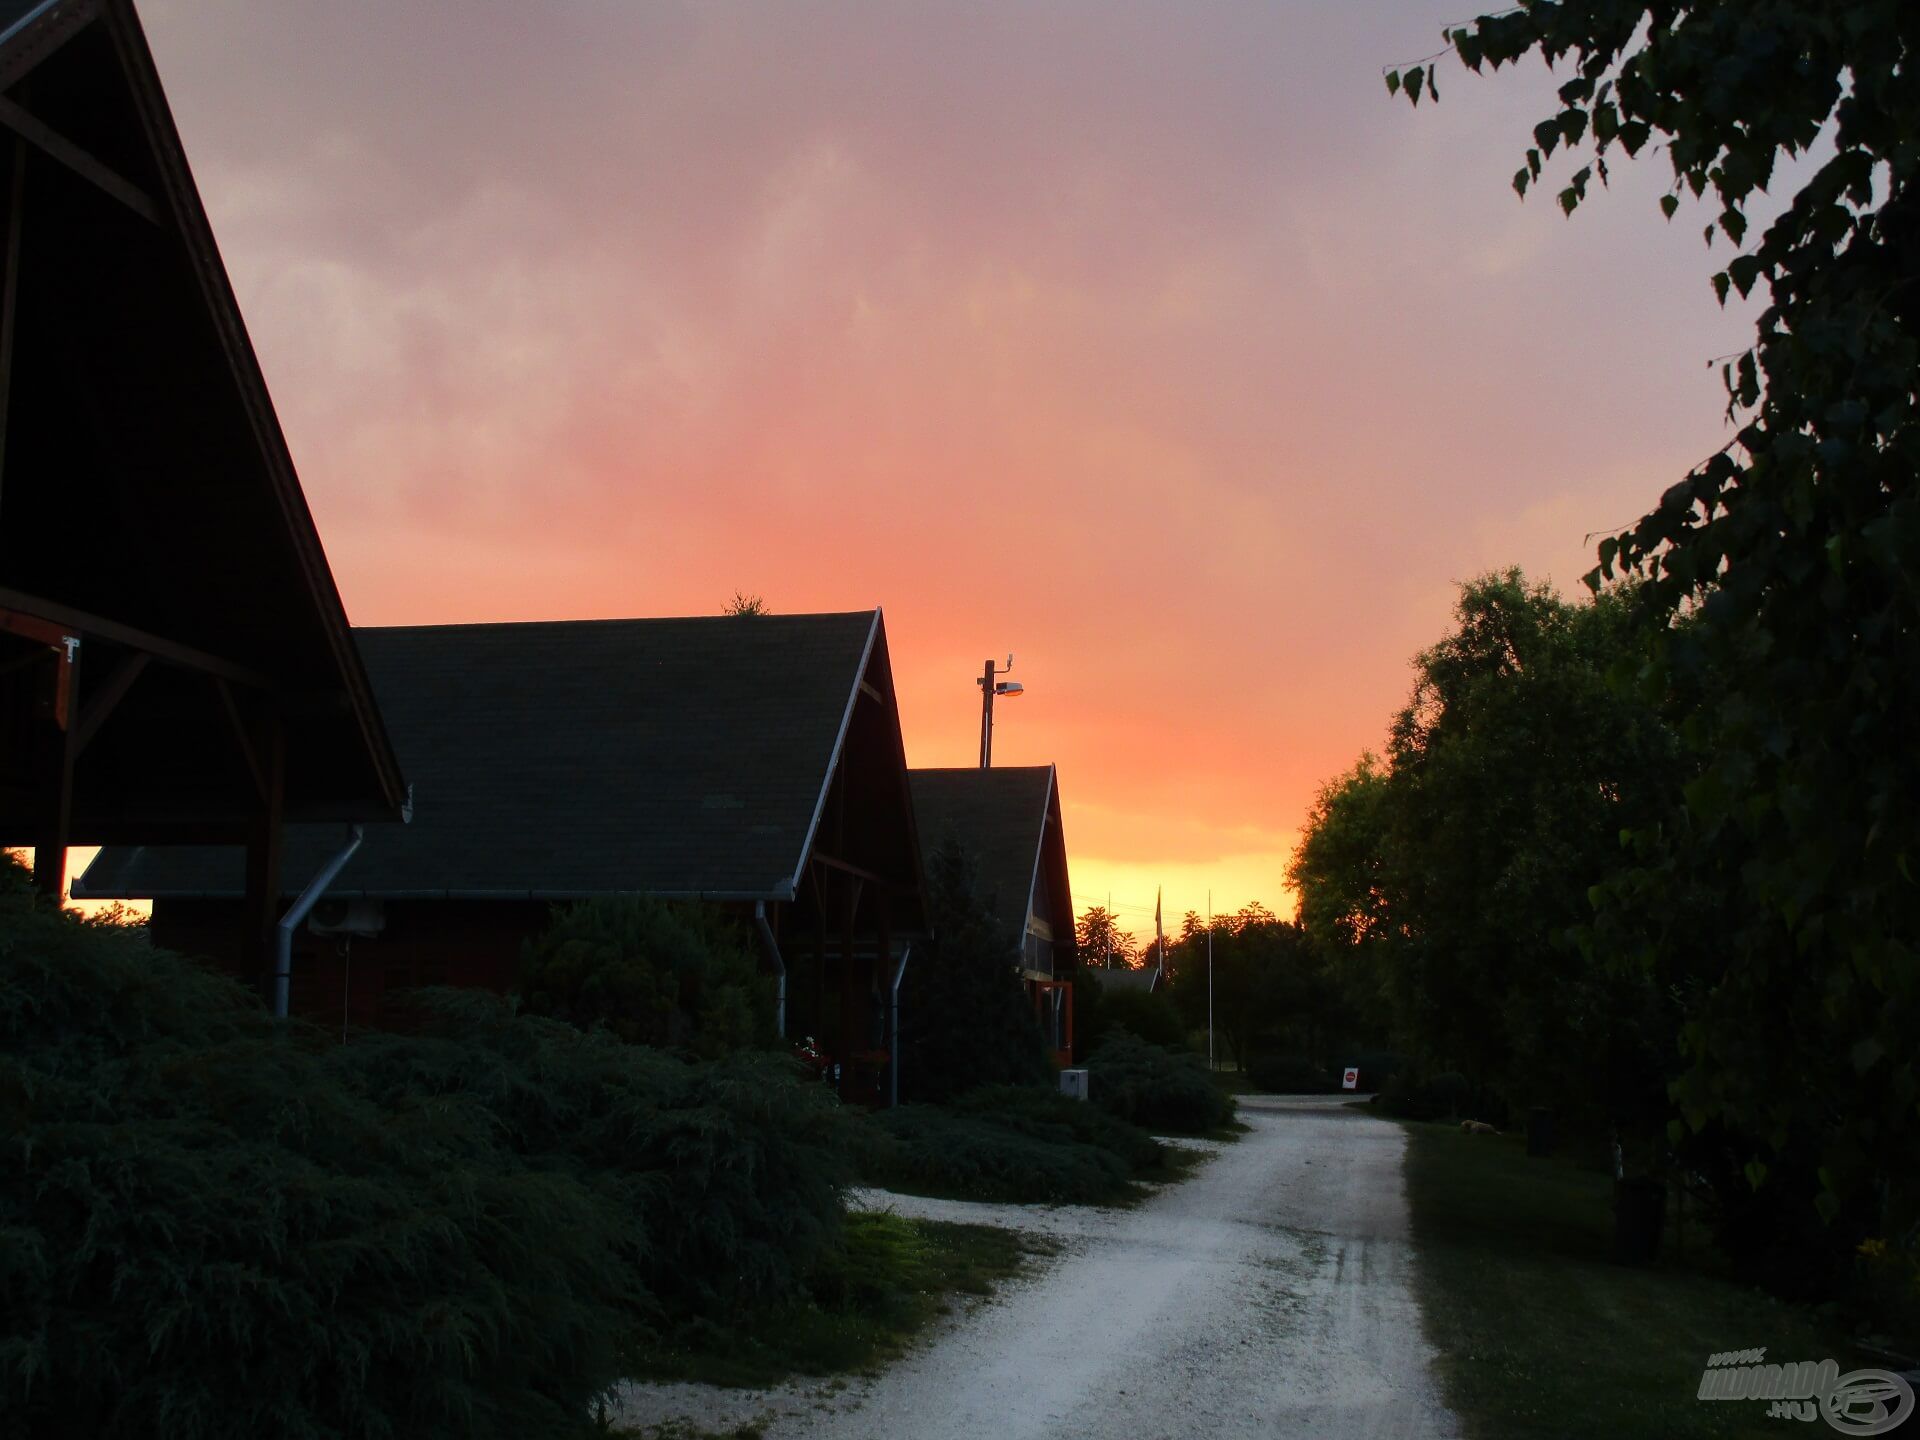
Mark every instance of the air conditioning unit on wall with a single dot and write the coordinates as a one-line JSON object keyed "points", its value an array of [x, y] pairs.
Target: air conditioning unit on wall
{"points": [[348, 917]]}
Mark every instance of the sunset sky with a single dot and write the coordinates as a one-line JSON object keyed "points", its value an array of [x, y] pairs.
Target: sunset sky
{"points": [[1153, 343]]}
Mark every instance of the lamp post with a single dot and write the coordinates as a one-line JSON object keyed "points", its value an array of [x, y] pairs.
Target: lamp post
{"points": [[990, 687]]}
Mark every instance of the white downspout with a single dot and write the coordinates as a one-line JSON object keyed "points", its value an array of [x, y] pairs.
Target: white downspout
{"points": [[893, 1052], [290, 922], [772, 947]]}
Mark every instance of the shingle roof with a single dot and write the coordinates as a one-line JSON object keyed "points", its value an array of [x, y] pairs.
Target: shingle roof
{"points": [[998, 817], [563, 758]]}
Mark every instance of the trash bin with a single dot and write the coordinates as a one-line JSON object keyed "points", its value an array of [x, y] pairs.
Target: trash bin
{"points": [[1639, 1213], [1539, 1131], [1073, 1084]]}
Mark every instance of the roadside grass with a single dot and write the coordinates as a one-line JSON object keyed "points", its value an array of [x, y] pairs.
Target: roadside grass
{"points": [[686, 1430], [1540, 1334], [865, 1305]]}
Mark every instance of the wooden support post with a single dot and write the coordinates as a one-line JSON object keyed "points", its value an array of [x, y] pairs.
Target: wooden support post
{"points": [[10, 291], [264, 839], [53, 770]]}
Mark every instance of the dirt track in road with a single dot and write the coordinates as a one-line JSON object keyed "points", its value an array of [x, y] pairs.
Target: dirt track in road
{"points": [[1269, 1295]]}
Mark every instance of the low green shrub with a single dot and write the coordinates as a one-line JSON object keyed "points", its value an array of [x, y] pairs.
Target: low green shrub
{"points": [[931, 1149], [214, 1226], [1155, 1088], [732, 1172], [1049, 1115]]}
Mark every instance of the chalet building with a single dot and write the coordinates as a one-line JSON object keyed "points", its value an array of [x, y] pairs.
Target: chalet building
{"points": [[175, 664], [1008, 820], [750, 760]]}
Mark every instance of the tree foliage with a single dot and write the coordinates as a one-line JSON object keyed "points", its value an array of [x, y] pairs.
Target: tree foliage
{"points": [[1100, 940], [1453, 883], [676, 975], [1155, 1088], [1272, 992], [1794, 550]]}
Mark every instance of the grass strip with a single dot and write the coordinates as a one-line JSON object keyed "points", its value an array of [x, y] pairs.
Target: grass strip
{"points": [[1539, 1334], [892, 1278]]}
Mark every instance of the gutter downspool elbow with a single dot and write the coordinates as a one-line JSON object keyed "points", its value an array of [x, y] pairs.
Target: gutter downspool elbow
{"points": [[301, 908]]}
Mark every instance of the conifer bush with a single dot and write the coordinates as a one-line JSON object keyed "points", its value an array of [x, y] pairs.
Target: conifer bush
{"points": [[1156, 1088], [212, 1225], [932, 1149], [1014, 1143], [1049, 1115]]}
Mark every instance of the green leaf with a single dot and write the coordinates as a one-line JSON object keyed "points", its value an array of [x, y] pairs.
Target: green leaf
{"points": [[1867, 1054], [1412, 81], [1721, 285], [1669, 204], [1393, 82], [1756, 1172]]}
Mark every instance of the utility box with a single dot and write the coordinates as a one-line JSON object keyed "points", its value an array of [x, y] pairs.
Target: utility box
{"points": [[1073, 1084]]}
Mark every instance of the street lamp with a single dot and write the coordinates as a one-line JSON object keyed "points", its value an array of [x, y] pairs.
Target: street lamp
{"points": [[990, 687]]}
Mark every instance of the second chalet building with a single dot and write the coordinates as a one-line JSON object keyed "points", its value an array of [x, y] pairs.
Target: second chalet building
{"points": [[1007, 820], [750, 760]]}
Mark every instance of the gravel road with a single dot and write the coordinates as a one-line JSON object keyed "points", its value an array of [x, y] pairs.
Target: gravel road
{"points": [[1268, 1295]]}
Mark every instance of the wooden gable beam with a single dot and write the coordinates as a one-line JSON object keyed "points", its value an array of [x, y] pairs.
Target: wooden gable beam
{"points": [[80, 623], [44, 137]]}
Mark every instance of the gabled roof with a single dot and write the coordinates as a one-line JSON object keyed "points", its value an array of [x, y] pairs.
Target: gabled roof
{"points": [[557, 759], [148, 501], [1142, 978], [999, 817]]}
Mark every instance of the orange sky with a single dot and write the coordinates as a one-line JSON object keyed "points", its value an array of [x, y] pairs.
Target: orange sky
{"points": [[1151, 343]]}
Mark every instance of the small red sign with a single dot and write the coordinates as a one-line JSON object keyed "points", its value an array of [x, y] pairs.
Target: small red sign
{"points": [[1350, 1078]]}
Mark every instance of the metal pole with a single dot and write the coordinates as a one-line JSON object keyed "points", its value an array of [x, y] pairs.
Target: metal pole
{"points": [[1210, 1063], [986, 718]]}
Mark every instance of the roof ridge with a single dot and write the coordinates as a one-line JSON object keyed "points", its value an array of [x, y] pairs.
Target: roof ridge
{"points": [[618, 620]]}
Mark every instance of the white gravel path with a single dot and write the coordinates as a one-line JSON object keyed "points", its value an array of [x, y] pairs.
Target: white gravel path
{"points": [[1269, 1295]]}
